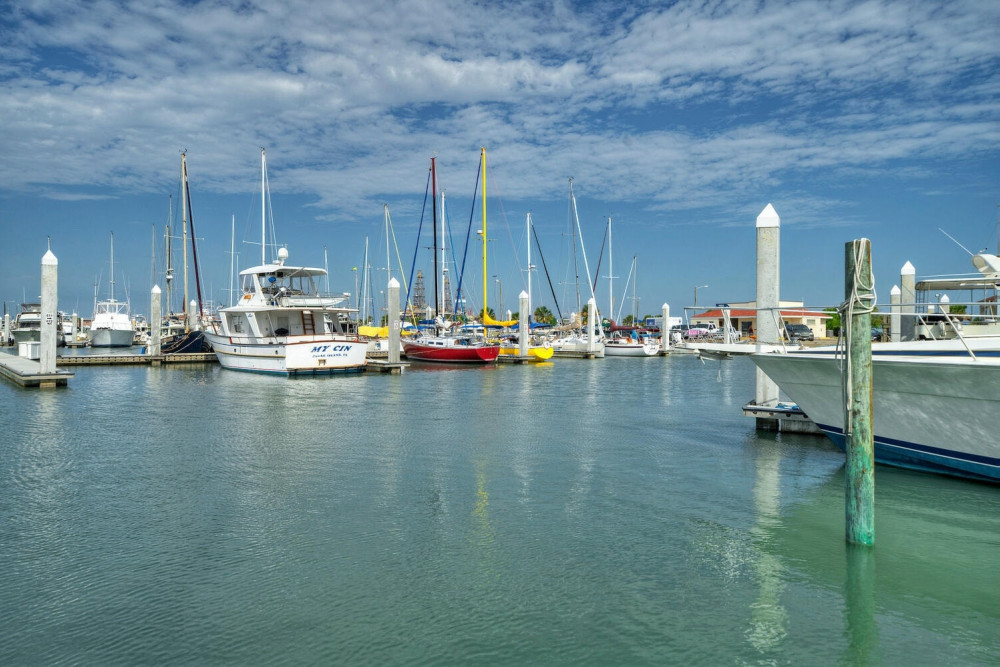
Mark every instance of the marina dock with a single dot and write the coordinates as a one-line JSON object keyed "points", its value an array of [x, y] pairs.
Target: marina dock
{"points": [[28, 372], [137, 359]]}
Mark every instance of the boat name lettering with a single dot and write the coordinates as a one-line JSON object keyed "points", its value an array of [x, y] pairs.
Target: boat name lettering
{"points": [[332, 348]]}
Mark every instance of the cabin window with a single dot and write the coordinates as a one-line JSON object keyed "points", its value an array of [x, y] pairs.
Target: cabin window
{"points": [[237, 324]]}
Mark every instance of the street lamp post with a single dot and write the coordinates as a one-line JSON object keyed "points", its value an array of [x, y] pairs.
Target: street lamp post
{"points": [[696, 294], [499, 282]]}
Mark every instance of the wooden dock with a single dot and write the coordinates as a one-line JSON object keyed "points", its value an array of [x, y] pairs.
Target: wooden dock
{"points": [[136, 359], [384, 366], [28, 373]]}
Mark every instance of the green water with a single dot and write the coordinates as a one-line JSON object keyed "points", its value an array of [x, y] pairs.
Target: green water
{"points": [[620, 511]]}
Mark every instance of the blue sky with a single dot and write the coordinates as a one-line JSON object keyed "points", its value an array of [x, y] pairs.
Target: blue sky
{"points": [[680, 121]]}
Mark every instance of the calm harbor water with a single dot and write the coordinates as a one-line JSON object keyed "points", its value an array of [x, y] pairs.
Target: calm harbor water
{"points": [[609, 512]]}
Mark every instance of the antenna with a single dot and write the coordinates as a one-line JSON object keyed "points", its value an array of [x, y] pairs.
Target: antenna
{"points": [[971, 254]]}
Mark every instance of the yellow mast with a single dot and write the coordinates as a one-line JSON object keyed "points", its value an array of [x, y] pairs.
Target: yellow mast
{"points": [[482, 160]]}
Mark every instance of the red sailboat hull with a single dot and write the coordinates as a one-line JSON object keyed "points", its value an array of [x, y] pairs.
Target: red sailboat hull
{"points": [[451, 354]]}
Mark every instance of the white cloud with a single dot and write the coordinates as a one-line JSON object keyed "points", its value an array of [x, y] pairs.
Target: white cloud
{"points": [[688, 106]]}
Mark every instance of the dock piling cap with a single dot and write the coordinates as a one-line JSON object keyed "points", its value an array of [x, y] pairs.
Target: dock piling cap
{"points": [[48, 259], [768, 218]]}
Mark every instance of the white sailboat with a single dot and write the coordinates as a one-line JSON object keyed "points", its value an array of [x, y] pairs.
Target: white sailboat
{"points": [[579, 343], [281, 324], [111, 325]]}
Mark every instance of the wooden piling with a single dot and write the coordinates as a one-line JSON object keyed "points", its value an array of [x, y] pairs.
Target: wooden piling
{"points": [[858, 436]]}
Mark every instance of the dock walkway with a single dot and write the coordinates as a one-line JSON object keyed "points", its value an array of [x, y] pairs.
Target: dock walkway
{"points": [[28, 372]]}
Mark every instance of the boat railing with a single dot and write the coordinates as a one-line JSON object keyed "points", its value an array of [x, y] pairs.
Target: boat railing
{"points": [[310, 301]]}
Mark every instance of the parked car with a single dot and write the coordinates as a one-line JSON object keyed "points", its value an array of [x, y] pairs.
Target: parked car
{"points": [[798, 332], [700, 331]]}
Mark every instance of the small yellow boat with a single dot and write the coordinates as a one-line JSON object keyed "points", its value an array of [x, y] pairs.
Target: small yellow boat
{"points": [[537, 352]]}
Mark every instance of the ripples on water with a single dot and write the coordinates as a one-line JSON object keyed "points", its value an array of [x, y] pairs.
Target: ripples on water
{"points": [[611, 512]]}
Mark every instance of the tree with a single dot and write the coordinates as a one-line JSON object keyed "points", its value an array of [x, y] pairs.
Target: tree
{"points": [[488, 310], [627, 321], [544, 316]]}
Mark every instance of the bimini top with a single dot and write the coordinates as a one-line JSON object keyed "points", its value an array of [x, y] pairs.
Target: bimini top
{"points": [[282, 271]]}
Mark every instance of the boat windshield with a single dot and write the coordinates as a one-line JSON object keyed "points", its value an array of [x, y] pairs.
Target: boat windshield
{"points": [[280, 282]]}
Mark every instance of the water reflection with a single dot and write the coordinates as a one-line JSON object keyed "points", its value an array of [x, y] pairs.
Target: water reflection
{"points": [[859, 606], [768, 618]]}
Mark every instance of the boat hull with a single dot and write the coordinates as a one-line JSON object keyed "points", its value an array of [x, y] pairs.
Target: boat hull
{"points": [[458, 354], [936, 415], [290, 355], [111, 337], [630, 349], [578, 347], [539, 352]]}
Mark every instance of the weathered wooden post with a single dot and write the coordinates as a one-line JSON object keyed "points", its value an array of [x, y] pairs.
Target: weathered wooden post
{"points": [[768, 299], [908, 298], [894, 314], [49, 314], [393, 321], [665, 329], [522, 323], [859, 291], [154, 322]]}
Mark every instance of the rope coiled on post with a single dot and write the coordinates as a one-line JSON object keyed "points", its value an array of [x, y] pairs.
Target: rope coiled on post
{"points": [[855, 304]]}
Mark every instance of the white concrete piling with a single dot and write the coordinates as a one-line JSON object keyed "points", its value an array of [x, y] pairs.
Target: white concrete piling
{"points": [[523, 325], [894, 313], [154, 322], [393, 321], [6, 329], [50, 312], [665, 329], [768, 298], [907, 298]]}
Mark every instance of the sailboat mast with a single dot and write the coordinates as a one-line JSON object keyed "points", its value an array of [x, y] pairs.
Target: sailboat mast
{"points": [[388, 262], [527, 225], [112, 267], [444, 263], [168, 242], [194, 242], [263, 207], [635, 310], [232, 259], [583, 250], [611, 274], [184, 225], [434, 217], [573, 226], [482, 160]]}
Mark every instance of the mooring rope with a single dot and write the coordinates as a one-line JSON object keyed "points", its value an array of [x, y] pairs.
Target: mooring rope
{"points": [[855, 304]]}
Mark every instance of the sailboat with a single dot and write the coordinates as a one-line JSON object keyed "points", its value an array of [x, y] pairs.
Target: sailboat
{"points": [[577, 343], [537, 351], [111, 326], [281, 324], [624, 341], [449, 348], [179, 334]]}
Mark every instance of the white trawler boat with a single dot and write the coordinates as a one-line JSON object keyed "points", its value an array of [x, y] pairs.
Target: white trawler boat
{"points": [[111, 325], [282, 324]]}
